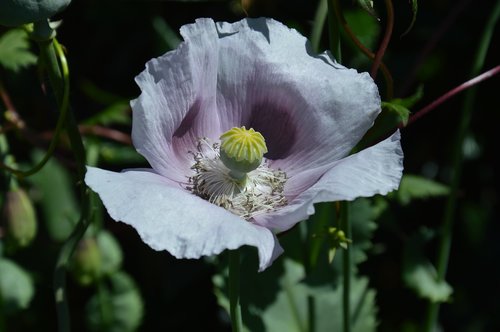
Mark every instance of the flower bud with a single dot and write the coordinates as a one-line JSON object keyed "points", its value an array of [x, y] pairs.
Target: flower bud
{"points": [[20, 216], [242, 150], [86, 266], [18, 12]]}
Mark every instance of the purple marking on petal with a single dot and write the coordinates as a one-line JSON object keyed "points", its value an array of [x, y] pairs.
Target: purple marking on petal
{"points": [[277, 127], [189, 119]]}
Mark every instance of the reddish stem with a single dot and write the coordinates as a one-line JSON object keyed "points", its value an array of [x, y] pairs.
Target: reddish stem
{"points": [[385, 41], [385, 71], [484, 76], [112, 134], [5, 98]]}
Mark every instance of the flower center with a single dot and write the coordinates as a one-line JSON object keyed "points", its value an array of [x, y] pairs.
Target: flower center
{"points": [[235, 175]]}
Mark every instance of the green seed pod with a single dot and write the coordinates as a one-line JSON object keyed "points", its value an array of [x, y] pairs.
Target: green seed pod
{"points": [[86, 265], [242, 149], [18, 12], [21, 227]]}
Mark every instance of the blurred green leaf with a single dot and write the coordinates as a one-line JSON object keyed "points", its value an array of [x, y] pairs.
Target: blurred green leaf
{"points": [[118, 309], [362, 216], [401, 113], [410, 101], [54, 192], [277, 299], [169, 37], [111, 252], [14, 50], [95, 93], [419, 274], [119, 154], [417, 187], [422, 278], [16, 287], [117, 113], [364, 27]]}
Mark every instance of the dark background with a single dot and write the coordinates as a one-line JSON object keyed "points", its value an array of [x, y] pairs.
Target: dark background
{"points": [[108, 43]]}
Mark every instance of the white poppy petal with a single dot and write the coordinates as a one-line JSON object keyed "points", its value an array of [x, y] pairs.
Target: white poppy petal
{"points": [[311, 110], [177, 102], [169, 218], [376, 170]]}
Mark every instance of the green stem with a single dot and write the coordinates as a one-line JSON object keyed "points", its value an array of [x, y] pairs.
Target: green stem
{"points": [[307, 232], [234, 291], [52, 55], [347, 267], [60, 271], [334, 32], [449, 214], [319, 24], [64, 105]]}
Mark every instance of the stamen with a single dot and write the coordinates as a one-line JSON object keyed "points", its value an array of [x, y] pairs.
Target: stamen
{"points": [[260, 192]]}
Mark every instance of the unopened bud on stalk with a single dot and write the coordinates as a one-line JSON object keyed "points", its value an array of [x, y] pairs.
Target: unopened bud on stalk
{"points": [[20, 216], [86, 265]]}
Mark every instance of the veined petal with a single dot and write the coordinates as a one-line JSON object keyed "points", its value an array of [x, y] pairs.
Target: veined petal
{"points": [[376, 170], [177, 102], [169, 218], [310, 109]]}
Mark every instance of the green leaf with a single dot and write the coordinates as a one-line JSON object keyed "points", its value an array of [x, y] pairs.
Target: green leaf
{"points": [[111, 253], [410, 101], [419, 274], [402, 113], [14, 50], [164, 31], [394, 112], [365, 27], [277, 299], [119, 154], [414, 9], [117, 113], [362, 214], [16, 287], [54, 192], [289, 311], [417, 187], [118, 308]]}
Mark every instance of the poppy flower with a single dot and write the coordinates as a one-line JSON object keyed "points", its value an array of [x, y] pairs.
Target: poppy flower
{"points": [[245, 128]]}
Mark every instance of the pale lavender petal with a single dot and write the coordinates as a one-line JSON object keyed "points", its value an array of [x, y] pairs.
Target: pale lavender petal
{"points": [[376, 170], [311, 110], [177, 102], [169, 218]]}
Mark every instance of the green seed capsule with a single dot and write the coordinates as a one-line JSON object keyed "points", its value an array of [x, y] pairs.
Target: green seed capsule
{"points": [[242, 150]]}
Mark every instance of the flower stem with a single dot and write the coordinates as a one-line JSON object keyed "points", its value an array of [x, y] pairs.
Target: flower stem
{"points": [[385, 41], [52, 55], [234, 291], [449, 214], [389, 83], [346, 290], [466, 85], [63, 110]]}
